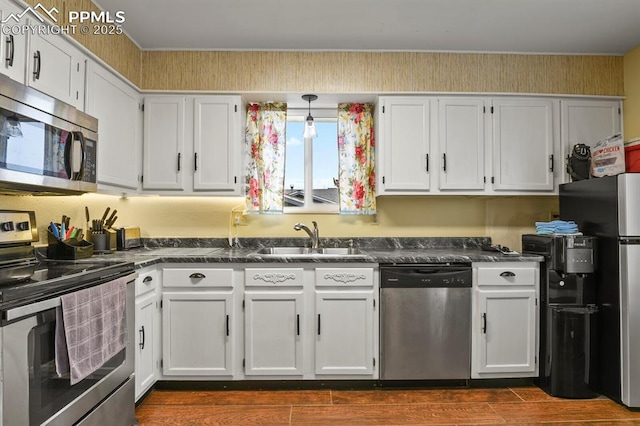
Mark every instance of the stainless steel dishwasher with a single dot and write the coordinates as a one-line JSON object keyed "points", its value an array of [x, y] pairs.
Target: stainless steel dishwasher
{"points": [[425, 322]]}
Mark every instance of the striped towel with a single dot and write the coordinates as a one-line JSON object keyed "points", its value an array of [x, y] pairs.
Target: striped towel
{"points": [[92, 329]]}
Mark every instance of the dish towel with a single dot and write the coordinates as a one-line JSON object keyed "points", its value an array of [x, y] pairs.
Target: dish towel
{"points": [[92, 329], [556, 227]]}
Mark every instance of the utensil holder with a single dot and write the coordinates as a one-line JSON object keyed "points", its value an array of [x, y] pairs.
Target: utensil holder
{"points": [[101, 243], [71, 249]]}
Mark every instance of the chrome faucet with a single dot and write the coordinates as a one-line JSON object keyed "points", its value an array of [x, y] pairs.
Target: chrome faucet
{"points": [[315, 237]]}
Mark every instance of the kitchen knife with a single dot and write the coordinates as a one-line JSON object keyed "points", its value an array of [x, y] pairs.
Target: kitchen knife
{"points": [[111, 219], [106, 212], [86, 214]]}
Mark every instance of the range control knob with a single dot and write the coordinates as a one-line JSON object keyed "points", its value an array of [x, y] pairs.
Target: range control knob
{"points": [[23, 226], [7, 226]]}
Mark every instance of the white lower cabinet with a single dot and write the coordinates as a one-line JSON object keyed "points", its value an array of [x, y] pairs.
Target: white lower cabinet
{"points": [[505, 320], [273, 342], [268, 322], [197, 322], [274, 321], [346, 322], [147, 325]]}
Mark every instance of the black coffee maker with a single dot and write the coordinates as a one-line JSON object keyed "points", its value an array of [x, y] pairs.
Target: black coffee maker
{"points": [[568, 314]]}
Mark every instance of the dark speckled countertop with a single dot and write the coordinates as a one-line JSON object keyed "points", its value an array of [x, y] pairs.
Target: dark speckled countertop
{"points": [[373, 250]]}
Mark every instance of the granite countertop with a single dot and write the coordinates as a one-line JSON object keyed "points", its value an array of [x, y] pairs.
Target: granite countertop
{"points": [[373, 250]]}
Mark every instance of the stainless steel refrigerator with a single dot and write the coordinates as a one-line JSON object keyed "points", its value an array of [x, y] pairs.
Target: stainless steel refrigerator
{"points": [[609, 208]]}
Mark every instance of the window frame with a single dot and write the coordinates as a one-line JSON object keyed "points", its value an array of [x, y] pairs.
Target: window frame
{"points": [[319, 115]]}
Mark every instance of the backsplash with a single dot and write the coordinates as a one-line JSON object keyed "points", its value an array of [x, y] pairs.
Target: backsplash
{"points": [[504, 219]]}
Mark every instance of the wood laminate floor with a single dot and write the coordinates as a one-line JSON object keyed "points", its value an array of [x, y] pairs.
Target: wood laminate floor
{"points": [[493, 406]]}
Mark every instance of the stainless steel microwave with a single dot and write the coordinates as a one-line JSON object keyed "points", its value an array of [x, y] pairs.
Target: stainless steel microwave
{"points": [[46, 146]]}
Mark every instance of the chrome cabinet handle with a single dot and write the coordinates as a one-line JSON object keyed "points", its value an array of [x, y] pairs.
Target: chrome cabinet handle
{"points": [[197, 275], [38, 62], [141, 331], [10, 50]]}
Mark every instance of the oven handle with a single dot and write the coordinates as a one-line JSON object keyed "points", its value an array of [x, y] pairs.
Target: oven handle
{"points": [[43, 305]]}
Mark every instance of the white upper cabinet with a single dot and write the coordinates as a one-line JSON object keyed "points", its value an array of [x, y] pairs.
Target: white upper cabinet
{"points": [[403, 157], [116, 106], [13, 47], [523, 141], [461, 134], [468, 145], [192, 144], [216, 143], [57, 68], [164, 135], [587, 121]]}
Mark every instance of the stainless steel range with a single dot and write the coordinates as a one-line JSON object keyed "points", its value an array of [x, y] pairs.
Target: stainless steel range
{"points": [[32, 390]]}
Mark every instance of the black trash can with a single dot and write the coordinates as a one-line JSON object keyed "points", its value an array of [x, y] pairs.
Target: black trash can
{"points": [[573, 364]]}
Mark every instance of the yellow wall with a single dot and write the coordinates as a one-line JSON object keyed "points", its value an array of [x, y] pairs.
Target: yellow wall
{"points": [[632, 93], [502, 218]]}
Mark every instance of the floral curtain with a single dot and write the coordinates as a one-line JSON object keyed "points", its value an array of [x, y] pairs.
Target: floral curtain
{"points": [[356, 172], [265, 143]]}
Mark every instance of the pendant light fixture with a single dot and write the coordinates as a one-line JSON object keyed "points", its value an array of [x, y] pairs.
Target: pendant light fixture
{"points": [[309, 125], [11, 127]]}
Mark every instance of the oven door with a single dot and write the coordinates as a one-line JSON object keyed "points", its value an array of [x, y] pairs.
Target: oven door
{"points": [[32, 392]]}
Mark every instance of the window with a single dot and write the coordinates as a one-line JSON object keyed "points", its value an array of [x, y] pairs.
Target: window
{"points": [[311, 165]]}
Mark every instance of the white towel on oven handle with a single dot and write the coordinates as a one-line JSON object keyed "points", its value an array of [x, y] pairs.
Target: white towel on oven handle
{"points": [[94, 324]]}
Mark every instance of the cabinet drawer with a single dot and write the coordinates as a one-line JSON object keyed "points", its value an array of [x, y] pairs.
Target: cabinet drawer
{"points": [[344, 277], [511, 273], [197, 277], [269, 277], [146, 282]]}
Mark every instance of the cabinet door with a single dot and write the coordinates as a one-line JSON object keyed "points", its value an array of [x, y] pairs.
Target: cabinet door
{"points": [[146, 308], [587, 121], [57, 68], [216, 143], [523, 135], [505, 326], [461, 134], [273, 332], [344, 332], [116, 106], [13, 47], [197, 333], [405, 142], [164, 134]]}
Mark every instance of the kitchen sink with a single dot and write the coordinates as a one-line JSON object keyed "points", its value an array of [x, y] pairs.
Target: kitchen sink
{"points": [[306, 251]]}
